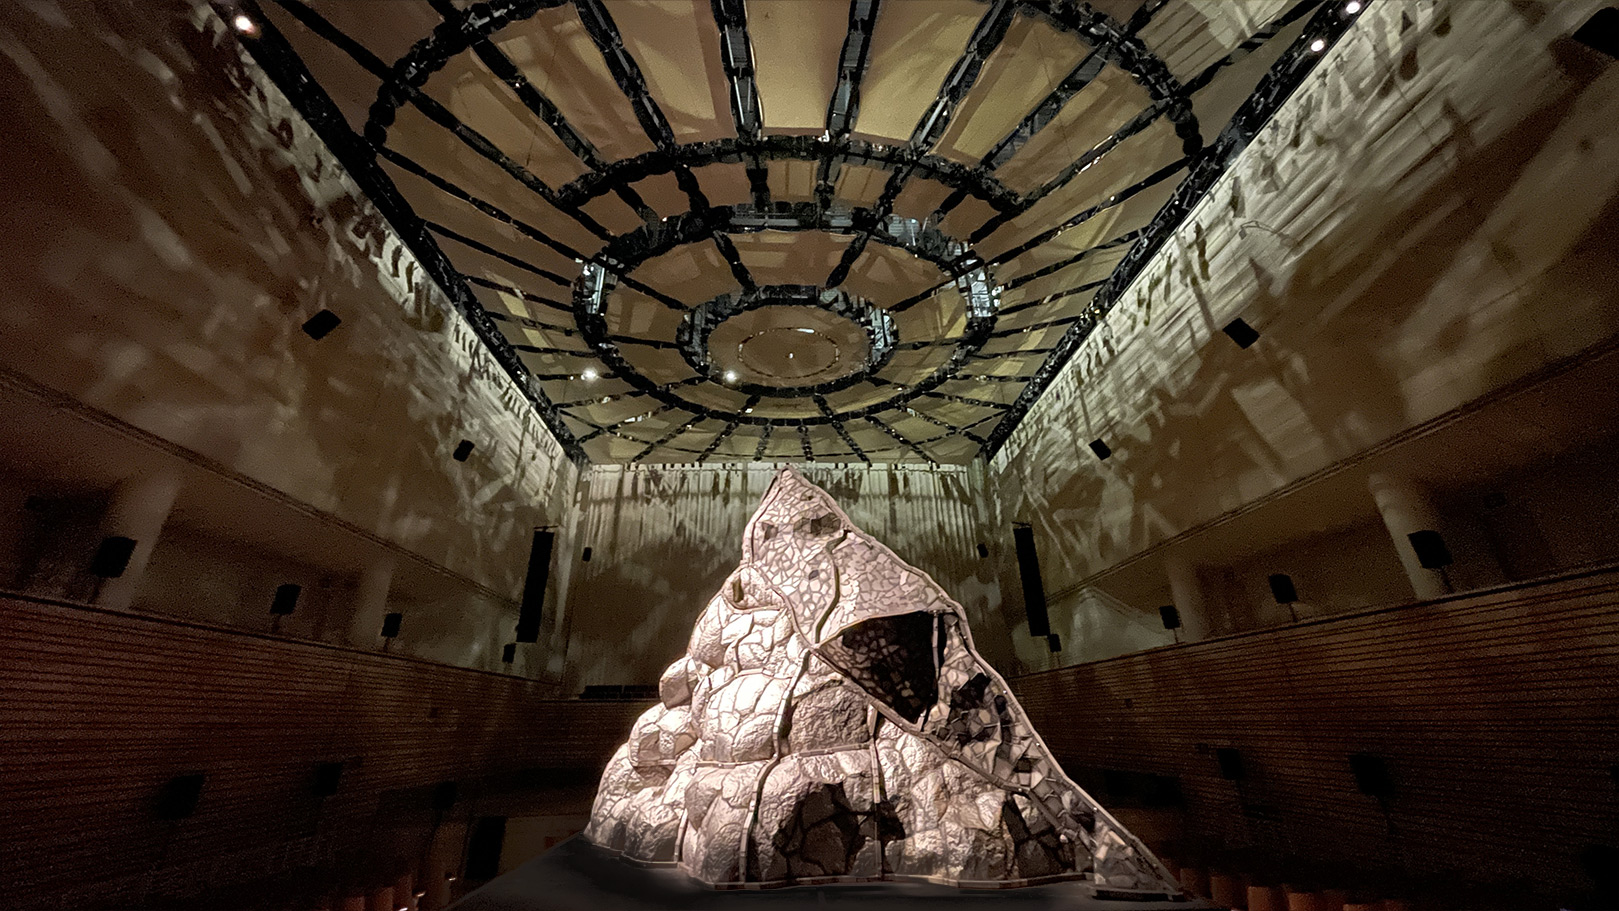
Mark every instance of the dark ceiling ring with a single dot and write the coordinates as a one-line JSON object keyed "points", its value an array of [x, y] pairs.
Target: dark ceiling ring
{"points": [[1128, 52], [974, 180], [430, 54], [692, 337], [626, 252]]}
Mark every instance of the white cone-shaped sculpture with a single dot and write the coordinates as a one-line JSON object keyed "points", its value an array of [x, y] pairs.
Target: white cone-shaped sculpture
{"points": [[831, 721]]}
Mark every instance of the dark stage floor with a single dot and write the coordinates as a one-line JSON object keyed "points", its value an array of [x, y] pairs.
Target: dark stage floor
{"points": [[578, 876]]}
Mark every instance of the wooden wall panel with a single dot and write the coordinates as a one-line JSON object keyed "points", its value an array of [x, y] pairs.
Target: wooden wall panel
{"points": [[1498, 715], [98, 709]]}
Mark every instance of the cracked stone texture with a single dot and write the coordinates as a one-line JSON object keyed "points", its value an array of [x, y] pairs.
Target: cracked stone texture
{"points": [[831, 721]]}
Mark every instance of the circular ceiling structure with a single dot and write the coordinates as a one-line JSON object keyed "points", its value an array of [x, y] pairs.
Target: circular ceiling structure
{"points": [[726, 230]]}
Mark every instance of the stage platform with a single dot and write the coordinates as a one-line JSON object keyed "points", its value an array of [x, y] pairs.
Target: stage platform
{"points": [[578, 876]]}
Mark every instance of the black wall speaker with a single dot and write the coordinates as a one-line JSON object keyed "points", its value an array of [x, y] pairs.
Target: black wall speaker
{"points": [[390, 625], [444, 796], [286, 599], [1431, 550], [983, 551], [179, 796], [462, 451], [1601, 31], [1230, 760], [1240, 332], [484, 846], [321, 324], [1281, 588], [508, 654], [1170, 616], [1034, 590], [1101, 449], [539, 572], [1054, 643], [327, 777], [1372, 775], [112, 556], [584, 555]]}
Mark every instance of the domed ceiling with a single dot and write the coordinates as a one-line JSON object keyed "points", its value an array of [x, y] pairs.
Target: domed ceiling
{"points": [[705, 230]]}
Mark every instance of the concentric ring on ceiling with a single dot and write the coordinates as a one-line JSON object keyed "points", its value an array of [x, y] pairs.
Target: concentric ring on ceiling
{"points": [[1015, 162]]}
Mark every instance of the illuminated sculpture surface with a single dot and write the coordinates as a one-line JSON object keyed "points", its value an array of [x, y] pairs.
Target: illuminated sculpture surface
{"points": [[831, 721]]}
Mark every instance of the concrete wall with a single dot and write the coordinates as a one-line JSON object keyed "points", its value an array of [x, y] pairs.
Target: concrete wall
{"points": [[662, 541], [1429, 218], [170, 224]]}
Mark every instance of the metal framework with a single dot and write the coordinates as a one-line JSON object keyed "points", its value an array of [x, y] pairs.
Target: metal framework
{"points": [[979, 281]]}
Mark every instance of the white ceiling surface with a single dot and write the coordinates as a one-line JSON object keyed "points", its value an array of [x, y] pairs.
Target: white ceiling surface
{"points": [[795, 46]]}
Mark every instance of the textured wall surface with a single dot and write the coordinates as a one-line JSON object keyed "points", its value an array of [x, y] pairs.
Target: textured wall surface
{"points": [[172, 223], [1493, 714], [663, 539], [1431, 216], [102, 709]]}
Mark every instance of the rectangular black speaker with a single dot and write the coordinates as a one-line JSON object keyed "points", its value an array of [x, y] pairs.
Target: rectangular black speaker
{"points": [[508, 654], [286, 599], [327, 777], [1430, 548], [444, 796], [1240, 332], [484, 847], [1054, 643], [1034, 590], [112, 556], [1170, 616], [1230, 760], [463, 450], [983, 551], [1101, 449], [1372, 775], [390, 625], [584, 555], [179, 796], [321, 324], [1601, 32], [539, 572], [1281, 588]]}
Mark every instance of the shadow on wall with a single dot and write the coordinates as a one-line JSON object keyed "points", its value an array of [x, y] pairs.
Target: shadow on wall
{"points": [[663, 540], [1386, 316]]}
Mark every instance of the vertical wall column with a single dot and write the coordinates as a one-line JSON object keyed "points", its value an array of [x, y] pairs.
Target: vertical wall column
{"points": [[138, 509], [1186, 589], [371, 600], [1407, 507]]}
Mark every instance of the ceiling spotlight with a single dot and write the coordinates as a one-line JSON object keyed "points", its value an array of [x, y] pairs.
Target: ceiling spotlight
{"points": [[590, 373], [1352, 7], [244, 25], [748, 410], [1318, 45], [730, 375]]}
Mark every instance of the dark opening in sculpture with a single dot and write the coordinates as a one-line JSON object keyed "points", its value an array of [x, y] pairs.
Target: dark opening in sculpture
{"points": [[831, 722]]}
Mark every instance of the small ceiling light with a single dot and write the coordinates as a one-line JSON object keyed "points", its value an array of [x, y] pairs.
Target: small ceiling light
{"points": [[244, 25], [748, 410], [1318, 45], [810, 331], [730, 375], [590, 373], [1352, 7], [789, 355]]}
